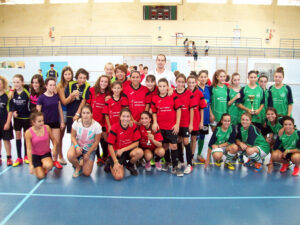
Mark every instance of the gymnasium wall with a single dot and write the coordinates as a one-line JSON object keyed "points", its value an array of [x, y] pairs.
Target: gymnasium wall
{"points": [[127, 19]]}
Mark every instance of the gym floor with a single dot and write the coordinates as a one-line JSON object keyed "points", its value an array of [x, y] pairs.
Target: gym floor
{"points": [[212, 196]]}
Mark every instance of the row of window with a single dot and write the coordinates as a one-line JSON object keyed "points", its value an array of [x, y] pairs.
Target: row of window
{"points": [[249, 2]]}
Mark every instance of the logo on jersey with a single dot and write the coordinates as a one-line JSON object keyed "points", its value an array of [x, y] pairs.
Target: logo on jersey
{"points": [[282, 95]]}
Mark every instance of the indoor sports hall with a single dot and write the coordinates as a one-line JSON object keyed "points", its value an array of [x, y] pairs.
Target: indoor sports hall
{"points": [[236, 36]]}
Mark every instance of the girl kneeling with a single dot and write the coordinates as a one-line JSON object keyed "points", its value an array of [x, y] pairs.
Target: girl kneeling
{"points": [[85, 136], [222, 142]]}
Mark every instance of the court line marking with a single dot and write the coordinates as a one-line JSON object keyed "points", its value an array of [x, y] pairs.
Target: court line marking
{"points": [[153, 197], [6, 169], [21, 203]]}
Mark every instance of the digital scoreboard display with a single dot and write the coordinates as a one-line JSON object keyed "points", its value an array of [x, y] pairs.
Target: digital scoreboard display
{"points": [[160, 12]]}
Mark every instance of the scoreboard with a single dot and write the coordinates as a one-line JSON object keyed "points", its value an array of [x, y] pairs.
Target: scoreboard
{"points": [[160, 12]]}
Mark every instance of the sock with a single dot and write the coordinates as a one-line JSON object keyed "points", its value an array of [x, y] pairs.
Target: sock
{"points": [[167, 156], [19, 147], [188, 152], [25, 149], [174, 156], [157, 158], [180, 152], [0, 156], [98, 152], [200, 143], [229, 156], [8, 157], [256, 157], [104, 147]]}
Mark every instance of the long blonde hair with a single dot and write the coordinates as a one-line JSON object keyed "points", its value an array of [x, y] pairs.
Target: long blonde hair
{"points": [[5, 82]]}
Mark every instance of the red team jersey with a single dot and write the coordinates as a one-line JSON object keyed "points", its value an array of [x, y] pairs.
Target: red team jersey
{"points": [[144, 138], [165, 109], [137, 100], [97, 102], [112, 108], [200, 104], [188, 101], [120, 137], [126, 83], [152, 93]]}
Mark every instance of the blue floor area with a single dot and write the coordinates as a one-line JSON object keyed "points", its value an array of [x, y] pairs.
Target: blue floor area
{"points": [[213, 196]]}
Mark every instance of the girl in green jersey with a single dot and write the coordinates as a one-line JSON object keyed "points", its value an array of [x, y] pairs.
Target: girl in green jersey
{"points": [[251, 142], [287, 147], [218, 93], [233, 95], [263, 81], [273, 126], [280, 95], [222, 142], [256, 92]]}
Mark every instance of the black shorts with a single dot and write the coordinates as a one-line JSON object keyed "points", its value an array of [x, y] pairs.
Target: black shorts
{"points": [[184, 132], [122, 160], [103, 129], [69, 124], [205, 129], [6, 135], [195, 133], [55, 125], [289, 156], [21, 123], [37, 159], [169, 137]]}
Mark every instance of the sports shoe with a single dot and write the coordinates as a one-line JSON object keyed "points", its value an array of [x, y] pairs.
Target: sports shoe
{"points": [[200, 159], [241, 158], [258, 167], [9, 162], [179, 172], [100, 162], [229, 166], [148, 166], [249, 163], [152, 162], [218, 163], [57, 165], [166, 166], [77, 174], [62, 161], [188, 169], [180, 164], [26, 159], [158, 166], [19, 161], [133, 171], [296, 171], [284, 167]]}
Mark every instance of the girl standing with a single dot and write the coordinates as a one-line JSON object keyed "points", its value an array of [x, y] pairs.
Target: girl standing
{"points": [[49, 104], [234, 94], [37, 88], [263, 81], [38, 145]]}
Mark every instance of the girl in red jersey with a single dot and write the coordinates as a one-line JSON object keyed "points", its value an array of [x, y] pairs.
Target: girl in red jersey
{"points": [[151, 142], [123, 141], [120, 72], [166, 117], [138, 96], [114, 105], [98, 92], [186, 122], [200, 103]]}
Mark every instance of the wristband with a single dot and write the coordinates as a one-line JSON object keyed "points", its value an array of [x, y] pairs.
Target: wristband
{"points": [[76, 146], [77, 114]]}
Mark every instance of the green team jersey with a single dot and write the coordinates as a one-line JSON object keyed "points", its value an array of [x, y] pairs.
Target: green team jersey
{"points": [[274, 128], [259, 100], [263, 112], [218, 101], [253, 137], [234, 111], [219, 136], [285, 142], [280, 98]]}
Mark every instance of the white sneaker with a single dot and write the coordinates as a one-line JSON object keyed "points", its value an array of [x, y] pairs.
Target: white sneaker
{"points": [[62, 161], [188, 169]]}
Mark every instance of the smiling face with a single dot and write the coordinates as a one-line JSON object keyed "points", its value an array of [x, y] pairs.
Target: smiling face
{"points": [[160, 62], [263, 81], [288, 126], [35, 85], [51, 86], [109, 70], [81, 79], [180, 82], [226, 120], [125, 118], [191, 83], [145, 120], [135, 79], [68, 75], [203, 78], [18, 84], [38, 122], [150, 84], [221, 78], [271, 116], [236, 80], [163, 88], [252, 78], [86, 115], [103, 83], [278, 78], [116, 89], [245, 121], [120, 75]]}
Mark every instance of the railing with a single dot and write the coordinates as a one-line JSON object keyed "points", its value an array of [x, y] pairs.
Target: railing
{"points": [[21, 41], [146, 51], [219, 41], [105, 40], [289, 43]]}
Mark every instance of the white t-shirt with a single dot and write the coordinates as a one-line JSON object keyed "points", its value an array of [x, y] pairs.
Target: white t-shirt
{"points": [[169, 75], [85, 136]]}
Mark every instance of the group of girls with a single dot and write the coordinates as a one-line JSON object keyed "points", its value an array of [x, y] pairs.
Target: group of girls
{"points": [[253, 121], [132, 121]]}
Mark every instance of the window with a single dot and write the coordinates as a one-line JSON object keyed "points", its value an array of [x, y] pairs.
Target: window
{"points": [[207, 1], [113, 1], [252, 2], [289, 2], [169, 1], [14, 2], [68, 1]]}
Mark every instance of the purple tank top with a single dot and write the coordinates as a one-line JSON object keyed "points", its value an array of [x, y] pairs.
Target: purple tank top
{"points": [[40, 144]]}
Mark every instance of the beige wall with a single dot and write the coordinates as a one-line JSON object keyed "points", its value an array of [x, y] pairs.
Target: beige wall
{"points": [[127, 19]]}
